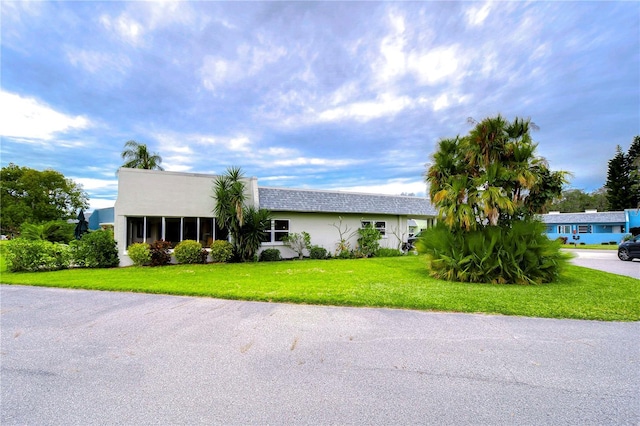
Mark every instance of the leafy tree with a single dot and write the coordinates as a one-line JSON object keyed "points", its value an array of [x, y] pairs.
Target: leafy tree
{"points": [[54, 231], [245, 224], [576, 200], [489, 186], [298, 242], [491, 176], [368, 241], [35, 196], [137, 156]]}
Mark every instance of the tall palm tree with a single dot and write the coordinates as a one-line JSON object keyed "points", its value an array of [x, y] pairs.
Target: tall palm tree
{"points": [[137, 156], [491, 175]]}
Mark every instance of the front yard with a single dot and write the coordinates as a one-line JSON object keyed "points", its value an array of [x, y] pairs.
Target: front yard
{"points": [[379, 282]]}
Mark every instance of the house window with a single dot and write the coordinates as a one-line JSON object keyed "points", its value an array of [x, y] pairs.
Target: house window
{"points": [[564, 229], [135, 229], [584, 229], [381, 226], [279, 229], [172, 229]]}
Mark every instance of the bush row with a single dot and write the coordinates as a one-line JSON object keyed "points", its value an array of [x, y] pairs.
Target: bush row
{"points": [[186, 252], [94, 250], [317, 252]]}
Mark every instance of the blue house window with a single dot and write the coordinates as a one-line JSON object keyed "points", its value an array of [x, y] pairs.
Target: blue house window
{"points": [[564, 229], [584, 229]]}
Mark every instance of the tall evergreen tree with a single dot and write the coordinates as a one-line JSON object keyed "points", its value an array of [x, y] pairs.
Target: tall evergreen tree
{"points": [[622, 185], [633, 157]]}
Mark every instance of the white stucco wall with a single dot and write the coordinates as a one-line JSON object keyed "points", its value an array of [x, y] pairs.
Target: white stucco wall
{"points": [[166, 194], [319, 226]]}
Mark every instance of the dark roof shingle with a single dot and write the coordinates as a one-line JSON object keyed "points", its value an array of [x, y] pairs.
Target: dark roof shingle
{"points": [[591, 217], [302, 200]]}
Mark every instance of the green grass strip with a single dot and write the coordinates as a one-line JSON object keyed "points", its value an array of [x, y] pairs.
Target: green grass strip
{"points": [[402, 282]]}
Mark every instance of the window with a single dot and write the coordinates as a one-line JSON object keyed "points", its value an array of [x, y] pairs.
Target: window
{"points": [[135, 229], [564, 229], [172, 229], [279, 229], [584, 229], [381, 226]]}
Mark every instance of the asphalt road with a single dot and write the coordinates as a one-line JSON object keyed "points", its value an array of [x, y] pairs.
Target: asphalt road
{"points": [[605, 260], [82, 357]]}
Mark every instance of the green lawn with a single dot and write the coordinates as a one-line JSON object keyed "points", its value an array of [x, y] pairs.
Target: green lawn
{"points": [[381, 282], [592, 246]]}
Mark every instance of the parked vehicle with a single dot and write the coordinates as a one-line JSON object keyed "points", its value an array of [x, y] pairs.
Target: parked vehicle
{"points": [[412, 239], [630, 249]]}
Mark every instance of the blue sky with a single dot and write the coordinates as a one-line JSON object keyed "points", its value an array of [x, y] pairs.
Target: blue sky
{"points": [[325, 95]]}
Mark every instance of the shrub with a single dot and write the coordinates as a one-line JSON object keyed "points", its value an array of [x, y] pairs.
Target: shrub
{"points": [[298, 242], [190, 251], [36, 255], [317, 252], [139, 253], [368, 241], [388, 252], [221, 251], [270, 255], [345, 254], [160, 253], [95, 249], [521, 254], [56, 231], [563, 239]]}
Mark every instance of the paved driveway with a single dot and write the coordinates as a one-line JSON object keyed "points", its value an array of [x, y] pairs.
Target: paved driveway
{"points": [[82, 357], [605, 260]]}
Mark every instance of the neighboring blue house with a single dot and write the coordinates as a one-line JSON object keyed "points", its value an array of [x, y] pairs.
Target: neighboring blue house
{"points": [[101, 219], [592, 227]]}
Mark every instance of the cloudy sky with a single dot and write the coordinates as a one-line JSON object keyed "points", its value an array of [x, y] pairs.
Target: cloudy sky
{"points": [[326, 95]]}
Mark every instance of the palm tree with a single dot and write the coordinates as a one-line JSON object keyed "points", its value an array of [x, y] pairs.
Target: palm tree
{"points": [[245, 224], [137, 156], [491, 175]]}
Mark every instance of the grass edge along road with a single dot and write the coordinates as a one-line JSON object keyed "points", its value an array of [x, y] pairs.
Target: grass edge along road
{"points": [[396, 282]]}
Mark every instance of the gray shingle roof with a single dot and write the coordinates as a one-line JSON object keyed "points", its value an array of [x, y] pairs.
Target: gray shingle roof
{"points": [[302, 200], [598, 217]]}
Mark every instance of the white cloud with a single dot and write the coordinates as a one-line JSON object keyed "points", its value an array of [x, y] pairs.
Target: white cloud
{"points": [[384, 105], [476, 15], [436, 64], [99, 203], [93, 184], [392, 63], [392, 187], [125, 27], [30, 119], [309, 161]]}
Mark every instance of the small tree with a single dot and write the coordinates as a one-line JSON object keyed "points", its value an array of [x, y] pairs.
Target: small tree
{"points": [[245, 224], [483, 185], [343, 247], [368, 241], [298, 242]]}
